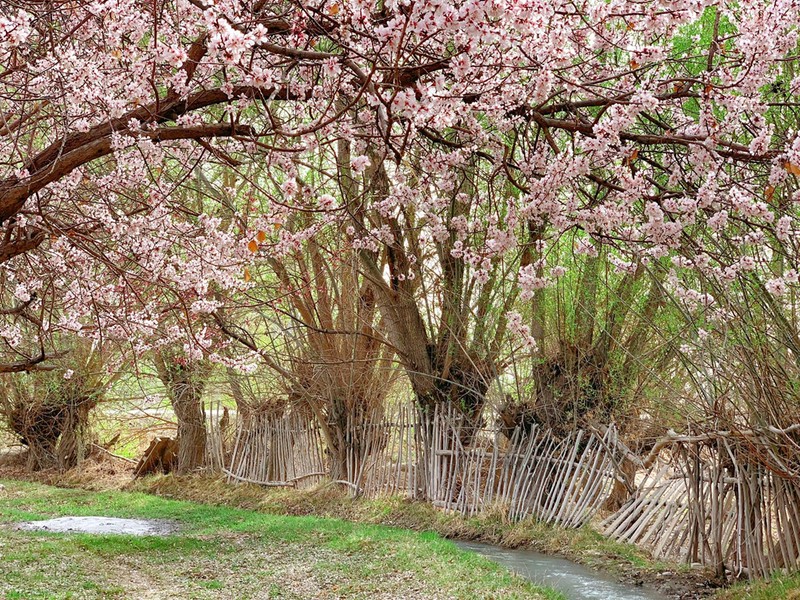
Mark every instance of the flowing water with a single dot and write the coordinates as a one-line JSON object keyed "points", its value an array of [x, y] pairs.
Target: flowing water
{"points": [[574, 581]]}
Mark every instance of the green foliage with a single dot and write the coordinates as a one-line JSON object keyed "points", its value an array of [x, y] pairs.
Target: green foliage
{"points": [[693, 40]]}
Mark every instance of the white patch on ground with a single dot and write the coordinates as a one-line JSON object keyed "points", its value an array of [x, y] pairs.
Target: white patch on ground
{"points": [[101, 526]]}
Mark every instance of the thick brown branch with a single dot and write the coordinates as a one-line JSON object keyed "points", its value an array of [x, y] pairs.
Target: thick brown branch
{"points": [[24, 242], [25, 366], [75, 150]]}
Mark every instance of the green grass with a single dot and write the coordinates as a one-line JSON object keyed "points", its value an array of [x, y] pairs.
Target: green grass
{"points": [[493, 526], [224, 552], [785, 587]]}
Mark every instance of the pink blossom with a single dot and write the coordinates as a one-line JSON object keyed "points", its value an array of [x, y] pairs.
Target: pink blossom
{"points": [[359, 163], [776, 286]]}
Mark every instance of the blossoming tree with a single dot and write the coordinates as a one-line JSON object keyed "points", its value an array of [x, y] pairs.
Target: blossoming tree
{"points": [[664, 129]]}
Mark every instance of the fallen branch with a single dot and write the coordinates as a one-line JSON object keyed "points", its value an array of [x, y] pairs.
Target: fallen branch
{"points": [[358, 490], [114, 455], [289, 482], [258, 481]]}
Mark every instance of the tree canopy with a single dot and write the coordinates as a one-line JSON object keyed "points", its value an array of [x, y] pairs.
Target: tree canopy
{"points": [[156, 154]]}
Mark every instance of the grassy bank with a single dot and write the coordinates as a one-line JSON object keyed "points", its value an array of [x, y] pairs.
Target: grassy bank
{"points": [[785, 587], [330, 502], [584, 545], [223, 552]]}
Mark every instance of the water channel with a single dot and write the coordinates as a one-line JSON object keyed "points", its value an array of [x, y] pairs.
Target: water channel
{"points": [[574, 581]]}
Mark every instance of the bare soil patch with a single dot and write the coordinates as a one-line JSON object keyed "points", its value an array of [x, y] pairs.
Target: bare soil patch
{"points": [[101, 526]]}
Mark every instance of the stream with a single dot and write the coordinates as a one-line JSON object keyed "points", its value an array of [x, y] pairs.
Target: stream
{"points": [[574, 581]]}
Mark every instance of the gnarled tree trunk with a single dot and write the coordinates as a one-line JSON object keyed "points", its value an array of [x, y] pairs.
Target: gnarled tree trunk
{"points": [[50, 413], [185, 381]]}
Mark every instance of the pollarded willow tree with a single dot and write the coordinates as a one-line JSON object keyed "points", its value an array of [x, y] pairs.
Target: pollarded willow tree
{"points": [[603, 345], [308, 314], [664, 130], [339, 366], [184, 379], [49, 410]]}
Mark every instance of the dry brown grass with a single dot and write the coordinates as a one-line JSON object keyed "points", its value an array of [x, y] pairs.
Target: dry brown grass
{"points": [[99, 472]]}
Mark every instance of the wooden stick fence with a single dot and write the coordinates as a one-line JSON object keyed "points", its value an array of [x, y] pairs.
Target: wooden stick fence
{"points": [[276, 450], [705, 501], [438, 458], [713, 505], [216, 434]]}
